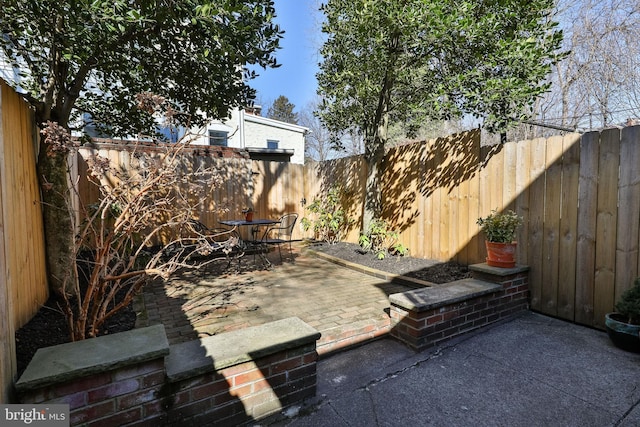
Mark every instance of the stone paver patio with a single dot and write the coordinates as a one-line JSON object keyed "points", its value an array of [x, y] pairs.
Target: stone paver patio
{"points": [[345, 306]]}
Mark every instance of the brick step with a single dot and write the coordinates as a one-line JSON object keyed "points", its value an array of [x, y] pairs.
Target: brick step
{"points": [[352, 334], [439, 296]]}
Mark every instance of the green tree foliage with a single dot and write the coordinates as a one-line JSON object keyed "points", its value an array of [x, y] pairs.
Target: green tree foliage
{"points": [[629, 303], [97, 57], [330, 220], [410, 60], [282, 110]]}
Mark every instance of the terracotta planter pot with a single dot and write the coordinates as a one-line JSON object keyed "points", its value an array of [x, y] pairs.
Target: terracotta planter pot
{"points": [[501, 254], [248, 216]]}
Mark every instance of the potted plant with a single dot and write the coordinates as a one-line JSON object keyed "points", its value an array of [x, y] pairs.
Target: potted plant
{"points": [[623, 325], [500, 232], [248, 214]]}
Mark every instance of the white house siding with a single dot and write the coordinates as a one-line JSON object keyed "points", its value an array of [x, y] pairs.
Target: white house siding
{"points": [[258, 130], [250, 131]]}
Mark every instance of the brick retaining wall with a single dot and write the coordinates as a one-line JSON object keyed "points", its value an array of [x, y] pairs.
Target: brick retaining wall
{"points": [[136, 378], [425, 317]]}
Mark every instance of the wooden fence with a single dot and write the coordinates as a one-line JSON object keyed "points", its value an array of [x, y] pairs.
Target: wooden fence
{"points": [[270, 188], [23, 283], [579, 196]]}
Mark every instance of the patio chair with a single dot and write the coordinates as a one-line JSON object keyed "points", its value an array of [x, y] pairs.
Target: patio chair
{"points": [[281, 233]]}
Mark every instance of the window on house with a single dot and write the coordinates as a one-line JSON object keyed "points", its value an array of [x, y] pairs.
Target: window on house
{"points": [[217, 137], [272, 144]]}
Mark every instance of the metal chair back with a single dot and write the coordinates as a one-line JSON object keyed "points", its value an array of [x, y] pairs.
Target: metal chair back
{"points": [[281, 233], [285, 228]]}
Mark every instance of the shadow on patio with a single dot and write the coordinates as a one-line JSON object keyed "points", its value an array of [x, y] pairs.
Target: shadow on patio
{"points": [[345, 306]]}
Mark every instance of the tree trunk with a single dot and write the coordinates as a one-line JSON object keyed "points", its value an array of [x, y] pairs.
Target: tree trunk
{"points": [[374, 154], [57, 216], [375, 139]]}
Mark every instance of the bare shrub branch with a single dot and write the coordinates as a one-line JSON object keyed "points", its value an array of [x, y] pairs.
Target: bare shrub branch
{"points": [[153, 199]]}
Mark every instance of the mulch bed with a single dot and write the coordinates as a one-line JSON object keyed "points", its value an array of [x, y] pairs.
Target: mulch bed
{"points": [[418, 268], [48, 327]]}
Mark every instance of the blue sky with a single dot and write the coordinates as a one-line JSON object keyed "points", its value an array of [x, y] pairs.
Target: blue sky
{"points": [[298, 56]]}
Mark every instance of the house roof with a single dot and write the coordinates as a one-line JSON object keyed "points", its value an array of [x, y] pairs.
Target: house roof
{"points": [[274, 155], [275, 123]]}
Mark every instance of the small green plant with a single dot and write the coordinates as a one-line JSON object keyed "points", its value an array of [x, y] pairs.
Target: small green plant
{"points": [[329, 217], [500, 228], [399, 249], [380, 240], [629, 303]]}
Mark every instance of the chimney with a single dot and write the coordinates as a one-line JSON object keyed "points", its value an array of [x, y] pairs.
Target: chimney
{"points": [[254, 110]]}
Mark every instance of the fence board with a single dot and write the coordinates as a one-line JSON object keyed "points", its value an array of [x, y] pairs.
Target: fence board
{"points": [[474, 241], [551, 221], [523, 178], [536, 221], [421, 234], [496, 179], [568, 226], [587, 213], [509, 193], [484, 199], [605, 263], [436, 207], [628, 210], [426, 250], [461, 221]]}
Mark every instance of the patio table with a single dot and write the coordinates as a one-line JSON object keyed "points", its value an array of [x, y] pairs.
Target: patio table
{"points": [[245, 223], [242, 222], [253, 245]]}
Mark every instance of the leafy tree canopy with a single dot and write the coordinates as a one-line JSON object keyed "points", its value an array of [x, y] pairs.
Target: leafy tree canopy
{"points": [[282, 110], [105, 59], [410, 60], [407, 60], [95, 56]]}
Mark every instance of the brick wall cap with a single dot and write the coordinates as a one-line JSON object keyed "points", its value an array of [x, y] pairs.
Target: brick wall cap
{"points": [[193, 358], [498, 271], [438, 296], [65, 362]]}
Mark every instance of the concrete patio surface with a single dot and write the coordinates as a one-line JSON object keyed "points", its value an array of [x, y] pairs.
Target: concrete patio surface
{"points": [[530, 371]]}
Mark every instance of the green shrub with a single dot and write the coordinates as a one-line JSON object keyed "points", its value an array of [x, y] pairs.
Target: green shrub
{"points": [[629, 303], [329, 220], [380, 240], [500, 228]]}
